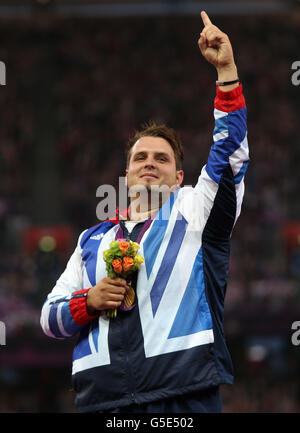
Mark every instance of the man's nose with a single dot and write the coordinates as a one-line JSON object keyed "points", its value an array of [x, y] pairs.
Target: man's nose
{"points": [[150, 162]]}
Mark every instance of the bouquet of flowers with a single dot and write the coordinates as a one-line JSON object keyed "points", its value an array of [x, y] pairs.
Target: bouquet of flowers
{"points": [[122, 260]]}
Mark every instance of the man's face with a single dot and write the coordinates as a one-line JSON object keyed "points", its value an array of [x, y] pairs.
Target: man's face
{"points": [[152, 162]]}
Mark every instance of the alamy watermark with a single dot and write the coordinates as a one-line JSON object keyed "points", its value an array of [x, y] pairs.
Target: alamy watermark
{"points": [[295, 335], [295, 78], [2, 334], [2, 74], [141, 199]]}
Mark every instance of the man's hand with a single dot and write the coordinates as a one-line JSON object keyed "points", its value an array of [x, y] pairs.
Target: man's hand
{"points": [[216, 48], [108, 293]]}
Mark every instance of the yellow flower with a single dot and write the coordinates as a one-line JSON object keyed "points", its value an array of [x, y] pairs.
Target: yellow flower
{"points": [[138, 260], [135, 246]]}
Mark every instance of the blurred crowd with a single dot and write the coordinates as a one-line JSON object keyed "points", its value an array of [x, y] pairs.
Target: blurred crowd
{"points": [[104, 78]]}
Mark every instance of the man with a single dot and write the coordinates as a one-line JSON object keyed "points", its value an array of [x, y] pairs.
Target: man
{"points": [[168, 354]]}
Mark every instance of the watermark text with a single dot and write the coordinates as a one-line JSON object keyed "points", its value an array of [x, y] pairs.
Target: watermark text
{"points": [[296, 75], [142, 198], [296, 335], [2, 334], [2, 74]]}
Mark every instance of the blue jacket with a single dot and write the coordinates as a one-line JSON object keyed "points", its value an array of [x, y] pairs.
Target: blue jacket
{"points": [[173, 341]]}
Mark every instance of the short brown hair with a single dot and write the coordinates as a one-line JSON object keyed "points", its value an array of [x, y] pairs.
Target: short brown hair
{"points": [[153, 129]]}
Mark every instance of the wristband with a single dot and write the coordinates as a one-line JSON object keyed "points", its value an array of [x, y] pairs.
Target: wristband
{"points": [[227, 83]]}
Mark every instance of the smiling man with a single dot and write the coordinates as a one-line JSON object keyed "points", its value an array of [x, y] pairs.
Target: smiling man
{"points": [[154, 168], [168, 354]]}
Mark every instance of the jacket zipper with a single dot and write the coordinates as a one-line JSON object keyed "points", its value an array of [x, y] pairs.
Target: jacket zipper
{"points": [[128, 367], [124, 320]]}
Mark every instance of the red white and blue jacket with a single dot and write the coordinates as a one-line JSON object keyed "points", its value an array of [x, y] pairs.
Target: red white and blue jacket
{"points": [[173, 341]]}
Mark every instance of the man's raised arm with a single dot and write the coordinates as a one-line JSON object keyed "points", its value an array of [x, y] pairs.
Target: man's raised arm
{"points": [[228, 156]]}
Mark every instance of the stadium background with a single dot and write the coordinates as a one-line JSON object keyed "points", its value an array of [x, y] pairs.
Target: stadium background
{"points": [[80, 76]]}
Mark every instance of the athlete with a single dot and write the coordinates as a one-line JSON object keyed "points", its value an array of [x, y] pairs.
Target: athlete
{"points": [[168, 354]]}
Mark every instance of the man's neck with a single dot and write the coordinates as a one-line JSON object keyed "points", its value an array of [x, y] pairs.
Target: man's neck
{"points": [[143, 207], [146, 205], [135, 215]]}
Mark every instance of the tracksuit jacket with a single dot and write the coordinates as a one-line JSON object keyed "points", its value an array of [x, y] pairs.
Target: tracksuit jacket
{"points": [[173, 341]]}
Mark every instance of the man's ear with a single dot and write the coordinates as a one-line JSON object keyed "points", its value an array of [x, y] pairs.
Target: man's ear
{"points": [[179, 177], [126, 173]]}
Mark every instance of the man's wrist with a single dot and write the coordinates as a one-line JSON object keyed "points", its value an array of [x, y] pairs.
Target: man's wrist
{"points": [[228, 73], [89, 308]]}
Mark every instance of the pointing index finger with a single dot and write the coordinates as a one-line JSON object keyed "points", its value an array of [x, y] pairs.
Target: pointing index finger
{"points": [[205, 18]]}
